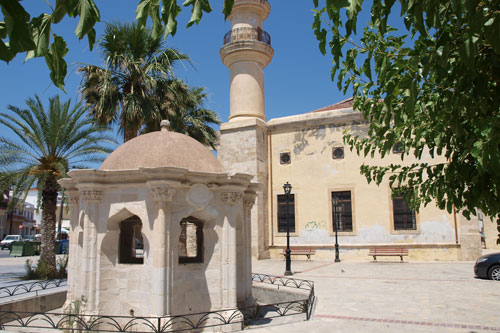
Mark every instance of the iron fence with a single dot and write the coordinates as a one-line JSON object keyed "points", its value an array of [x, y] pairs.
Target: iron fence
{"points": [[9, 291], [259, 313]]}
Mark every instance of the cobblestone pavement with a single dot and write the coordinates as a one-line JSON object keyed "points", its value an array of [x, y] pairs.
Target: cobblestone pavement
{"points": [[393, 297]]}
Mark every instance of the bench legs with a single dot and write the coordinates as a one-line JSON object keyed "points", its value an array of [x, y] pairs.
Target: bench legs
{"points": [[375, 257]]}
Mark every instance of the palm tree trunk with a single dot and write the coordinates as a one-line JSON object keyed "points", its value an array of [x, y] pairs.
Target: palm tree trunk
{"points": [[49, 206], [129, 133]]}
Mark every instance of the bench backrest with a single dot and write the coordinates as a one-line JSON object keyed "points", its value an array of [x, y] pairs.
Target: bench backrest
{"points": [[389, 250]]}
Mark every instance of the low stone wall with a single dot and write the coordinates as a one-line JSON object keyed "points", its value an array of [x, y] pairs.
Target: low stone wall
{"points": [[271, 294], [41, 303]]}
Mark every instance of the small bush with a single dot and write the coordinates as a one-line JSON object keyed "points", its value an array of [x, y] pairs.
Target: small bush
{"points": [[44, 272], [62, 265], [30, 271]]}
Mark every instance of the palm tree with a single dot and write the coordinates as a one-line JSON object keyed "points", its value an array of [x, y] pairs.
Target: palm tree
{"points": [[184, 107], [47, 143], [122, 92]]}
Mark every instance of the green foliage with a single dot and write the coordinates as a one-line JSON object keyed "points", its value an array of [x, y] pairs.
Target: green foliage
{"points": [[434, 87], [30, 271], [137, 87], [44, 271], [76, 308], [183, 107], [46, 143], [20, 33]]}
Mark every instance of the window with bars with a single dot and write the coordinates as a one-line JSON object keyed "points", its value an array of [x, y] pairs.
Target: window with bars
{"points": [[342, 211], [282, 216], [404, 217]]}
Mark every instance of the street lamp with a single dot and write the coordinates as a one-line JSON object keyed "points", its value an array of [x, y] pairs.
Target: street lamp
{"points": [[337, 212], [288, 271]]}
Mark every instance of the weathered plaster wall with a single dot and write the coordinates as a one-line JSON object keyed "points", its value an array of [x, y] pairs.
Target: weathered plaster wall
{"points": [[314, 174], [491, 232]]}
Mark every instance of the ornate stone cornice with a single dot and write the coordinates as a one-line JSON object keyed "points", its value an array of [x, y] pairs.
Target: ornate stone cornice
{"points": [[92, 195], [162, 193], [231, 198]]}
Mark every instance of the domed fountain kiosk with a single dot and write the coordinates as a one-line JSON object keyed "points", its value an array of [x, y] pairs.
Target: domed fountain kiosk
{"points": [[160, 229]]}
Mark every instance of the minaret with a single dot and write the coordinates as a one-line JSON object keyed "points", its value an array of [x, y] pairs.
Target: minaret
{"points": [[246, 52], [243, 139]]}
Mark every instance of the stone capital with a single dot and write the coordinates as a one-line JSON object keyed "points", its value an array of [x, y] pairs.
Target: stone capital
{"points": [[92, 196], [162, 193], [248, 202], [73, 200], [231, 198]]}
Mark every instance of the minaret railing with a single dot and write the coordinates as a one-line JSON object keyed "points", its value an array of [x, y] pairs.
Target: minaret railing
{"points": [[247, 34]]}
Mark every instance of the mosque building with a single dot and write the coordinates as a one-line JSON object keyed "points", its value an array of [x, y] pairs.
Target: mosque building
{"points": [[328, 192]]}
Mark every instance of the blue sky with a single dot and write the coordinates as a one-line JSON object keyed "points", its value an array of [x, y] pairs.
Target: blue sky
{"points": [[297, 80]]}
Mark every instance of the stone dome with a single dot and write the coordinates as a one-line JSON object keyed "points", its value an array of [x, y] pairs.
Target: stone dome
{"points": [[163, 149]]}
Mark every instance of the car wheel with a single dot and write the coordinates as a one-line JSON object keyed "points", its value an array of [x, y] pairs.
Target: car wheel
{"points": [[494, 273]]}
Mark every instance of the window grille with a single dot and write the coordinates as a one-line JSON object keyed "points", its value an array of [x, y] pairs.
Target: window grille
{"points": [[342, 211], [404, 217], [282, 217], [338, 153], [398, 148], [191, 241], [285, 158], [131, 244]]}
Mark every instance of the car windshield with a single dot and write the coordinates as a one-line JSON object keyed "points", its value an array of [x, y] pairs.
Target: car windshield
{"points": [[10, 237]]}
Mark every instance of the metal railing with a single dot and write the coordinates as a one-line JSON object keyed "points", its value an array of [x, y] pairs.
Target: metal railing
{"points": [[9, 291], [75, 322], [247, 34]]}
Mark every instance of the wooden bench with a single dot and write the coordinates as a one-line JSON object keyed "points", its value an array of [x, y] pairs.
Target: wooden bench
{"points": [[388, 251], [300, 251]]}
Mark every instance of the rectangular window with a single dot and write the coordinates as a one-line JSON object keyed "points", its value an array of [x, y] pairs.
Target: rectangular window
{"points": [[404, 217], [282, 216], [342, 211]]}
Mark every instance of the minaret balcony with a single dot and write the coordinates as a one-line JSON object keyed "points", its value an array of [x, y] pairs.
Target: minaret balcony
{"points": [[247, 34]]}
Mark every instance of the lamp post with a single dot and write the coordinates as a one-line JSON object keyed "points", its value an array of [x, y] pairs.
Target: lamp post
{"points": [[336, 217], [288, 271]]}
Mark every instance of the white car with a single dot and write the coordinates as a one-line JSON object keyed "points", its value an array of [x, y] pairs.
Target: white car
{"points": [[7, 241]]}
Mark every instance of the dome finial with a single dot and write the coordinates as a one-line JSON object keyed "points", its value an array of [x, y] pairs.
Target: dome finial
{"points": [[165, 125]]}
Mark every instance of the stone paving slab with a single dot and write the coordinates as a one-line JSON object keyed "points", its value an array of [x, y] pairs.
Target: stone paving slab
{"points": [[393, 297], [387, 296]]}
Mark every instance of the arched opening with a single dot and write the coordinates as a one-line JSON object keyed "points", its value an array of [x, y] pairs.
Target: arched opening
{"points": [[191, 241], [131, 243]]}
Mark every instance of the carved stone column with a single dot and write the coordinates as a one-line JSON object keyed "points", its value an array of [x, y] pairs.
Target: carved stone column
{"points": [[74, 272], [92, 198], [161, 251], [248, 202], [231, 200]]}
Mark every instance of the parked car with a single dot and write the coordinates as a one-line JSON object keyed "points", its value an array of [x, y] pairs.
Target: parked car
{"points": [[29, 238], [8, 240], [488, 266]]}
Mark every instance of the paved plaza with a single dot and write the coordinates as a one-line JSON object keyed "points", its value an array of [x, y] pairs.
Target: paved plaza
{"points": [[389, 296], [385, 296]]}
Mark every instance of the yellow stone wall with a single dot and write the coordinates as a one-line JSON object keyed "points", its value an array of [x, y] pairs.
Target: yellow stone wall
{"points": [[314, 174], [491, 233]]}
